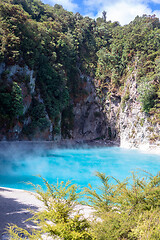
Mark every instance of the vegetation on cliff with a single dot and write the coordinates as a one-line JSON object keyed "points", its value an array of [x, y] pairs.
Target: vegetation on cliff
{"points": [[59, 45]]}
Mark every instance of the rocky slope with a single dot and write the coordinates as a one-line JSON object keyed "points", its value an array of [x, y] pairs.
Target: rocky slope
{"points": [[65, 76], [89, 120], [16, 130], [119, 119], [137, 128]]}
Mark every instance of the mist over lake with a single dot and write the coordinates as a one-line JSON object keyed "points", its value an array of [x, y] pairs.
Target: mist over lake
{"points": [[21, 163]]}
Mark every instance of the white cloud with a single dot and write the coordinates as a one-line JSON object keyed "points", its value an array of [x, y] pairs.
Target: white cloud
{"points": [[157, 13], [156, 1], [93, 3], [123, 11], [67, 4]]}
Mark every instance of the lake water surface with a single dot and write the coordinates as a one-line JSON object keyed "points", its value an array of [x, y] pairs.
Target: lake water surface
{"points": [[22, 164]]}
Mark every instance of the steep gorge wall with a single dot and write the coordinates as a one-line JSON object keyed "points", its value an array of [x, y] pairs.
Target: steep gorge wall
{"points": [[126, 122], [65, 76], [119, 119], [26, 80], [137, 128], [90, 122]]}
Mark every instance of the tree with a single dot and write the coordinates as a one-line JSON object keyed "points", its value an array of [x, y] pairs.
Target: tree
{"points": [[104, 14], [147, 94], [17, 100]]}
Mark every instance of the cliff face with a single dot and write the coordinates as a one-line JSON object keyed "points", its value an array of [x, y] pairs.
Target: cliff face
{"points": [[65, 76], [119, 118], [111, 109], [16, 129], [90, 122], [137, 128]]}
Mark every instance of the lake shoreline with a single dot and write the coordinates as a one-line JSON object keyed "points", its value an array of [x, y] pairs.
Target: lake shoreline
{"points": [[68, 143], [79, 143]]}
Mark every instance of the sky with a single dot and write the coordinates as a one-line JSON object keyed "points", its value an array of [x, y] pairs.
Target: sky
{"points": [[123, 11]]}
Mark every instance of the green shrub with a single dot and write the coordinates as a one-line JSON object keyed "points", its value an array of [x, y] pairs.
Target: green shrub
{"points": [[59, 218], [11, 101], [38, 119], [127, 210], [147, 95]]}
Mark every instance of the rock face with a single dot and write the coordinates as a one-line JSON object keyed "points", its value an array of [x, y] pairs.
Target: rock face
{"points": [[136, 127], [111, 111], [118, 118], [90, 123], [26, 81]]}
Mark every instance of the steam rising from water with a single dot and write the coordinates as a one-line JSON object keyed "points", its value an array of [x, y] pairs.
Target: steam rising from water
{"points": [[22, 162]]}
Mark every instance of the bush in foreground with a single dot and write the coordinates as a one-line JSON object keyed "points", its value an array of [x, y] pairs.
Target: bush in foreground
{"points": [[123, 210]]}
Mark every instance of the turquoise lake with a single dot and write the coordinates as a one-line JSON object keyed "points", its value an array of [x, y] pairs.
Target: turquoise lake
{"points": [[19, 165]]}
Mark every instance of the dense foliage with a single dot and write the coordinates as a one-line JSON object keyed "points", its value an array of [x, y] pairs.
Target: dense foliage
{"points": [[59, 45], [59, 217], [121, 210], [128, 209]]}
